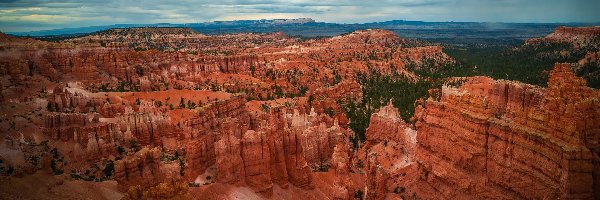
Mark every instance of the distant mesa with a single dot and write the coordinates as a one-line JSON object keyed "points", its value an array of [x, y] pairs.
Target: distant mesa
{"points": [[293, 21]]}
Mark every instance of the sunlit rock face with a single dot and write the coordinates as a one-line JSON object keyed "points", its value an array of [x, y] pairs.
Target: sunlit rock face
{"points": [[503, 139], [257, 159], [387, 154]]}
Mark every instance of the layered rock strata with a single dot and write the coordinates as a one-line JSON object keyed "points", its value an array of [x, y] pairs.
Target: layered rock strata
{"points": [[502, 139], [257, 161], [318, 143], [228, 115], [140, 169], [230, 166], [388, 150]]}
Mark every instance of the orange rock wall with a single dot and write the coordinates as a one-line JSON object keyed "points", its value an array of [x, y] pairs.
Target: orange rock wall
{"points": [[502, 139], [143, 168]]}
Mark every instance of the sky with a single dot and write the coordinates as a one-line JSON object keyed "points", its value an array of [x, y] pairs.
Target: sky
{"points": [[32, 15]]}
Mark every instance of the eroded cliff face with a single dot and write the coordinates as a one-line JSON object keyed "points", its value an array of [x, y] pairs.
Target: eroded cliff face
{"points": [[218, 135], [503, 139], [257, 161], [288, 160], [318, 143], [142, 168], [227, 117], [386, 154], [580, 37], [230, 166], [276, 154]]}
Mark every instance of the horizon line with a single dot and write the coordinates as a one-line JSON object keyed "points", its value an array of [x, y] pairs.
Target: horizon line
{"points": [[21, 33]]}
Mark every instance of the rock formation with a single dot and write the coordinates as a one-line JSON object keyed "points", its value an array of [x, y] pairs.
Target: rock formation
{"points": [[341, 165], [386, 125], [502, 139], [298, 171], [257, 159], [140, 169], [230, 166], [387, 152], [288, 144], [165, 190], [260, 160], [580, 37]]}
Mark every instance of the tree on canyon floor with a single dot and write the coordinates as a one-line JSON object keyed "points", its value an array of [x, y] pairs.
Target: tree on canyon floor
{"points": [[109, 168], [359, 194], [181, 166]]}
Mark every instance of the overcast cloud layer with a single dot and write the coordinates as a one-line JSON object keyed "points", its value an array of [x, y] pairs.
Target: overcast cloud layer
{"points": [[29, 15]]}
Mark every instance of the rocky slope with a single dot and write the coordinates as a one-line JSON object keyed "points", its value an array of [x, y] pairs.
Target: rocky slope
{"points": [[580, 37], [578, 45]]}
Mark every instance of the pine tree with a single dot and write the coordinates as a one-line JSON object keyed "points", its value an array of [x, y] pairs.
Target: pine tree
{"points": [[181, 103]]}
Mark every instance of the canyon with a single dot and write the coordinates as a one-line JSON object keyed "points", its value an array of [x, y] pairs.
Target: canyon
{"points": [[170, 113]]}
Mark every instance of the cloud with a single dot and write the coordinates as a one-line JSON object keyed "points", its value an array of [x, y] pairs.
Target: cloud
{"points": [[26, 15]]}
